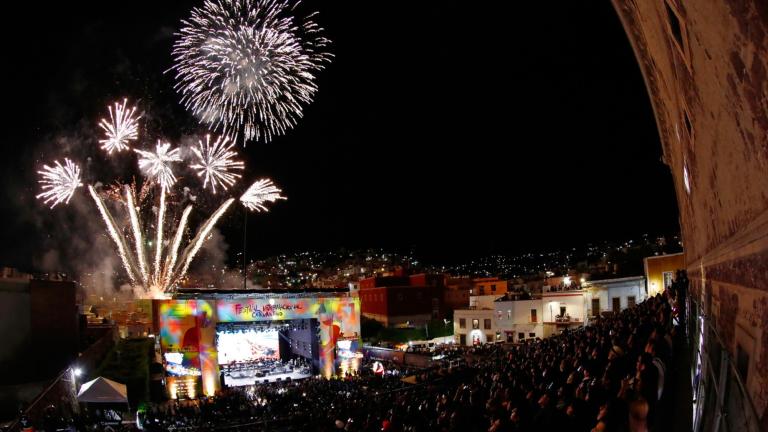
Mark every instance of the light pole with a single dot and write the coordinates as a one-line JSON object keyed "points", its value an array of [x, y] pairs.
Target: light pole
{"points": [[245, 262]]}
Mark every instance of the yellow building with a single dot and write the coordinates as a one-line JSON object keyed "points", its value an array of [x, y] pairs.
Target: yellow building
{"points": [[488, 286], [660, 271]]}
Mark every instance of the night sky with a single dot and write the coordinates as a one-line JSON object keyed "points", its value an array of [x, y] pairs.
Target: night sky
{"points": [[455, 130]]}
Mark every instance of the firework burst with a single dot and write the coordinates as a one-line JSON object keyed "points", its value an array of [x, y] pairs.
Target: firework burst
{"points": [[121, 128], [164, 277], [215, 162], [259, 194], [246, 68], [157, 165], [59, 182]]}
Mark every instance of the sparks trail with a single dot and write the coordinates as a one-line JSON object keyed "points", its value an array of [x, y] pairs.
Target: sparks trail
{"points": [[60, 182], [121, 128], [215, 162], [246, 68], [157, 165], [261, 192]]}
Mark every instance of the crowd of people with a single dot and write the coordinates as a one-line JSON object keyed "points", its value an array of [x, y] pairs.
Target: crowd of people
{"points": [[610, 376], [614, 375]]}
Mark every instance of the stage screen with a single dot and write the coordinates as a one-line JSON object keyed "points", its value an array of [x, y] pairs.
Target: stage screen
{"points": [[246, 345]]}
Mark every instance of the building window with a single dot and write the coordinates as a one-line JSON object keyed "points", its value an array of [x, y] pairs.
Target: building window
{"points": [[596, 307], [631, 301], [534, 318], [493, 288], [533, 335], [489, 337], [509, 314], [521, 335], [498, 315], [498, 336], [462, 323], [616, 304], [475, 324], [487, 324], [462, 339]]}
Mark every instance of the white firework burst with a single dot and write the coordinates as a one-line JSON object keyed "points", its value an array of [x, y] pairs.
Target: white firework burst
{"points": [[157, 165], [259, 194], [247, 67], [215, 163], [121, 128], [59, 182]]}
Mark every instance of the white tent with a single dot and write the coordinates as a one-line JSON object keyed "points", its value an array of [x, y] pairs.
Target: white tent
{"points": [[102, 390]]}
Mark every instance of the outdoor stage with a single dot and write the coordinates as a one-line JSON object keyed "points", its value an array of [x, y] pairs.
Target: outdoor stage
{"points": [[214, 338], [239, 381]]}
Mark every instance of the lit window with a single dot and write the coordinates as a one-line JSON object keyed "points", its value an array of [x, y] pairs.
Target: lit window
{"points": [[475, 323]]}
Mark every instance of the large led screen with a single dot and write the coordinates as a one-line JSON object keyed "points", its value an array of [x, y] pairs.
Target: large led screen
{"points": [[247, 345]]}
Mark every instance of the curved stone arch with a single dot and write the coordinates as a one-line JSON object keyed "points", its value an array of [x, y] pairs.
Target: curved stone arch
{"points": [[705, 66]]}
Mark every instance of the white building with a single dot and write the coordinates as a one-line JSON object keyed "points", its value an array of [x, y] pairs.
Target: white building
{"points": [[518, 318], [475, 324], [564, 309], [482, 301], [615, 295]]}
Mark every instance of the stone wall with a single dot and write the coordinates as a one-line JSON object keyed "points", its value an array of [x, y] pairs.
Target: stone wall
{"points": [[705, 65]]}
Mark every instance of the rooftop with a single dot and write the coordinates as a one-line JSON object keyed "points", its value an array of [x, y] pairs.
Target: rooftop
{"points": [[194, 293]]}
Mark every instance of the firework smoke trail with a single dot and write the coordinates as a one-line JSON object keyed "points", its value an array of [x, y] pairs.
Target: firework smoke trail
{"points": [[259, 193], [159, 246], [191, 250], [215, 162], [117, 236], [59, 182], [173, 252], [158, 165], [137, 236], [121, 128], [247, 67]]}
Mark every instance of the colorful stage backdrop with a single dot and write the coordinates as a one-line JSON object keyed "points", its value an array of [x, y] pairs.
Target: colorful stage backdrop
{"points": [[189, 327]]}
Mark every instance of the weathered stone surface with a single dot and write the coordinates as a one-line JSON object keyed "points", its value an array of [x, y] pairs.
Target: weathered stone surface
{"points": [[705, 65]]}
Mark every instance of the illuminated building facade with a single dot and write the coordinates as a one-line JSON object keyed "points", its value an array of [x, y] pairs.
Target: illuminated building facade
{"points": [[204, 332], [660, 271]]}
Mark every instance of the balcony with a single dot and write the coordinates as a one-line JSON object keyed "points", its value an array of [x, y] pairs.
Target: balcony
{"points": [[565, 320]]}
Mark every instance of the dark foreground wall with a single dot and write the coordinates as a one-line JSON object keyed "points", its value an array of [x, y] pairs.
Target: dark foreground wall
{"points": [[39, 327], [705, 65]]}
